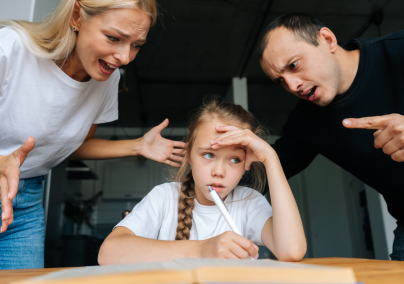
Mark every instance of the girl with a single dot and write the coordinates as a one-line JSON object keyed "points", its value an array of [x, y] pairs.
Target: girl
{"points": [[221, 144]]}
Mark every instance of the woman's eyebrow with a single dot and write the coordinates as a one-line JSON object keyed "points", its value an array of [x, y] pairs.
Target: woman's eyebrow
{"points": [[126, 35], [120, 32]]}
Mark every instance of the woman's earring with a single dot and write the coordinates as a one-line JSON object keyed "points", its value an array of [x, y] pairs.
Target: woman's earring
{"points": [[74, 28]]}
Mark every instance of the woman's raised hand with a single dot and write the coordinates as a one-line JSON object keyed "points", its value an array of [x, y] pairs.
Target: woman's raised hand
{"points": [[9, 179], [257, 149], [229, 245], [159, 149]]}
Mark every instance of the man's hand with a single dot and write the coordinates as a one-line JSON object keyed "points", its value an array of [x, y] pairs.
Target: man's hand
{"points": [[9, 179], [159, 149], [389, 134]]}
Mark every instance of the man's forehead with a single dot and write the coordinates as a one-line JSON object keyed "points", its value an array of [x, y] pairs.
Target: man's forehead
{"points": [[282, 45]]}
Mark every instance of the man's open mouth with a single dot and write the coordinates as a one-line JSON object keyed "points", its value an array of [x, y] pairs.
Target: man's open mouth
{"points": [[310, 94]]}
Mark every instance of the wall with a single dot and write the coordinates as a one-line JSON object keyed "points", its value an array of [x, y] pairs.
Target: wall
{"points": [[17, 10]]}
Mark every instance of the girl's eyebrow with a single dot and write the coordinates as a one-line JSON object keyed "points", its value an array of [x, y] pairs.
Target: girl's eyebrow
{"points": [[206, 148]]}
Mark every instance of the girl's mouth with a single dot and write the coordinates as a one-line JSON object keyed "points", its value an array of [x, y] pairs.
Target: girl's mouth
{"points": [[105, 67], [216, 187]]}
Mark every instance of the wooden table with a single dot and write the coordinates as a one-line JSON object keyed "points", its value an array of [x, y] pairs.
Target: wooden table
{"points": [[369, 271]]}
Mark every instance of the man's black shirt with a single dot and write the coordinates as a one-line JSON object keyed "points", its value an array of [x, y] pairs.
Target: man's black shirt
{"points": [[378, 89]]}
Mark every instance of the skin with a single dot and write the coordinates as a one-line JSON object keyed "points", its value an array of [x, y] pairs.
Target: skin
{"points": [[299, 66], [114, 37], [219, 156]]}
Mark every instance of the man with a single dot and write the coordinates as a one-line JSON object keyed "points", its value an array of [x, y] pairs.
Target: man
{"points": [[363, 79]]}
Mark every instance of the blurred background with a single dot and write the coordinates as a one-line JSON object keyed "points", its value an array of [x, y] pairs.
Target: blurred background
{"points": [[201, 47]]}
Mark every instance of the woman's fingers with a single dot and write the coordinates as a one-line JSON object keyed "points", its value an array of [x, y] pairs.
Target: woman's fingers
{"points": [[13, 178], [179, 144], [21, 153], [176, 158], [161, 126], [6, 205], [171, 163], [180, 152]]}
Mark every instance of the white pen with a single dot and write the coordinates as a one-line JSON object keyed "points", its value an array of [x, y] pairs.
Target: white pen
{"points": [[219, 202]]}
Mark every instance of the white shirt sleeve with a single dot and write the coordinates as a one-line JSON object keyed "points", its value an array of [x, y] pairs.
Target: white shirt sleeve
{"points": [[110, 111], [147, 216], [258, 212], [3, 69]]}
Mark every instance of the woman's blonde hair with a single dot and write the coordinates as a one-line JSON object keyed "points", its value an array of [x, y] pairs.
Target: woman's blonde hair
{"points": [[213, 108], [53, 38]]}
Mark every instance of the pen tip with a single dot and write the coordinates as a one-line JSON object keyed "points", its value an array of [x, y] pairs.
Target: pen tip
{"points": [[210, 189]]}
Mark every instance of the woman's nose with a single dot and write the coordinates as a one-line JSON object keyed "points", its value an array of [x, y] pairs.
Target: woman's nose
{"points": [[123, 56]]}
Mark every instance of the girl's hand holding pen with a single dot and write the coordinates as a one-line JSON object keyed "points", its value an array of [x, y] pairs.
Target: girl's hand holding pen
{"points": [[229, 245], [257, 149]]}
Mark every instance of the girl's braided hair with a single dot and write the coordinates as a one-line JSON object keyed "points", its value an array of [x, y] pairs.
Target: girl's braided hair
{"points": [[213, 108]]}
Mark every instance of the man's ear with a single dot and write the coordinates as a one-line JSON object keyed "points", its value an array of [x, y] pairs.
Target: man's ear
{"points": [[75, 21], [327, 37]]}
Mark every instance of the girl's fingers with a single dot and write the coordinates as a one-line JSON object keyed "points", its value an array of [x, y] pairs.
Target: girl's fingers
{"points": [[234, 140], [238, 251], [225, 135], [171, 163], [247, 245], [230, 255]]}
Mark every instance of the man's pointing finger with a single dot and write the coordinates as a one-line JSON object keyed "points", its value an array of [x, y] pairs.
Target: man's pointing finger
{"points": [[373, 122]]}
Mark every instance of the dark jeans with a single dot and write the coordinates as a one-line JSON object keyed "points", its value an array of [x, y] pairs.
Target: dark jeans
{"points": [[398, 244]]}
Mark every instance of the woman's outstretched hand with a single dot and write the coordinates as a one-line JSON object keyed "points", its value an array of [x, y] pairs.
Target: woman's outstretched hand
{"points": [[159, 149], [9, 179], [257, 149]]}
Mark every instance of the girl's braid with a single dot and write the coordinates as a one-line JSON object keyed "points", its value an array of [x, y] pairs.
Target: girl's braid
{"points": [[185, 206]]}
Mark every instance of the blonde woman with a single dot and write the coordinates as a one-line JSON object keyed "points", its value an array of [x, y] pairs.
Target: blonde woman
{"points": [[58, 81]]}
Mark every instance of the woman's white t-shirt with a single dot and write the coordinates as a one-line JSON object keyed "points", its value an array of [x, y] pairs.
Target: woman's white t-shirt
{"points": [[155, 217], [38, 99]]}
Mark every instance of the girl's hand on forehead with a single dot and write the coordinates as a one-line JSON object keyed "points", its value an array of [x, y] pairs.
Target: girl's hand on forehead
{"points": [[257, 149]]}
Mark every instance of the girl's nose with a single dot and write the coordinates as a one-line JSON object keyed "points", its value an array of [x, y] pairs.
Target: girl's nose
{"points": [[219, 170]]}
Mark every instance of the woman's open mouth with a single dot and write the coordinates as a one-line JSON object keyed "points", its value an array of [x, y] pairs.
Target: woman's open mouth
{"points": [[106, 68]]}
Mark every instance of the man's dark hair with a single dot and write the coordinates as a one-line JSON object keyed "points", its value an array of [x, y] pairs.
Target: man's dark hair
{"points": [[304, 26]]}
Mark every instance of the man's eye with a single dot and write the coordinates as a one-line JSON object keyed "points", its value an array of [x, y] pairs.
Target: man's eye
{"points": [[136, 46], [279, 81], [293, 65], [235, 160], [208, 156], [111, 38]]}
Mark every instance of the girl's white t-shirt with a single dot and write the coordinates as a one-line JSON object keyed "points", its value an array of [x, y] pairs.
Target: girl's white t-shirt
{"points": [[38, 99], [155, 217]]}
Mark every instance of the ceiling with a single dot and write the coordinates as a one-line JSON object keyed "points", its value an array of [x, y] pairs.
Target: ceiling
{"points": [[197, 46]]}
